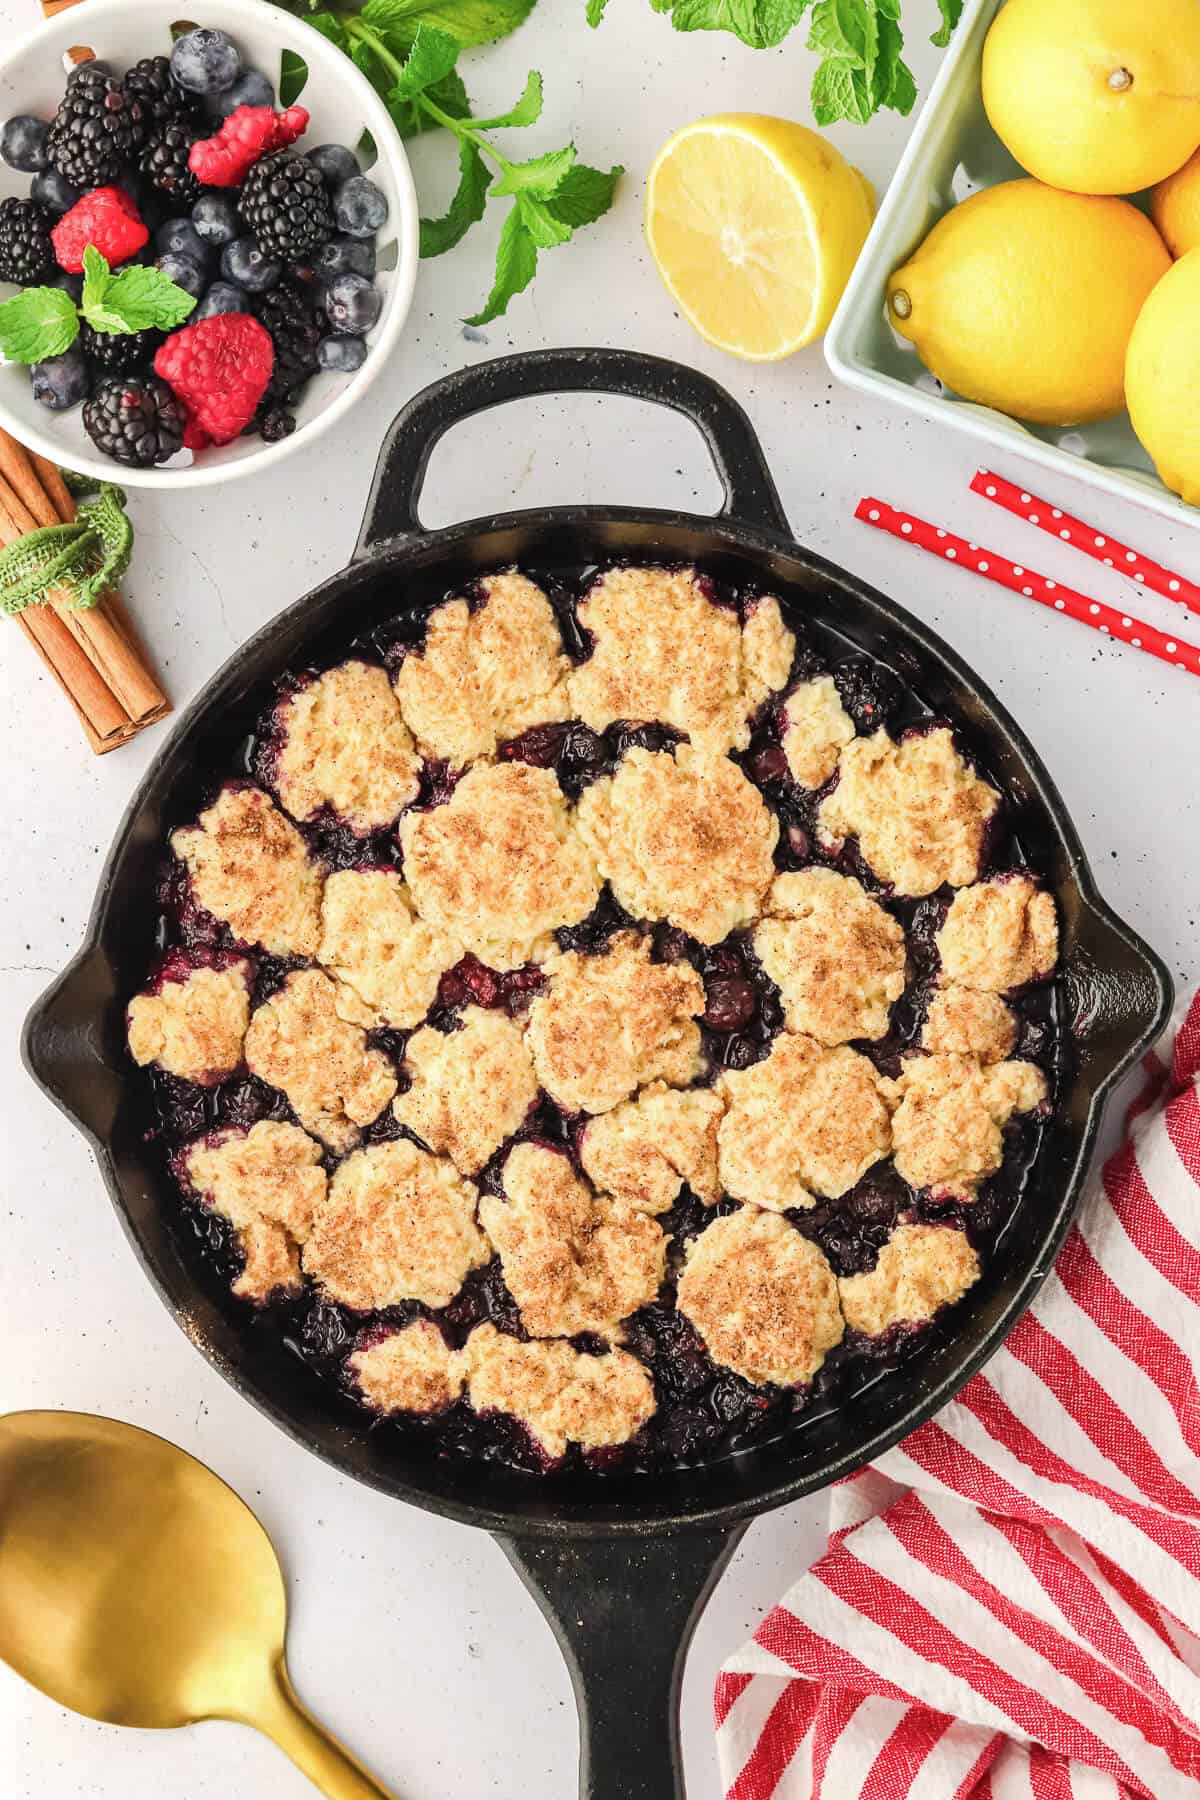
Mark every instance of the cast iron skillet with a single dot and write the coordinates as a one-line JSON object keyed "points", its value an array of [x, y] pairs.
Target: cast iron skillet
{"points": [[620, 1565]]}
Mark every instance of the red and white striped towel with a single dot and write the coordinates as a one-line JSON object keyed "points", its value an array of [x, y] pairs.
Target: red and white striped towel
{"points": [[1010, 1602]]}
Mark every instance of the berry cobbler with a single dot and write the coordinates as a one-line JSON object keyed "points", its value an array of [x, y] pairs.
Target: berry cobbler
{"points": [[598, 1026]]}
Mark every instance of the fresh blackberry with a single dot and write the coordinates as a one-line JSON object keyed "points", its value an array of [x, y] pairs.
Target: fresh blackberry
{"points": [[136, 420], [118, 352], [26, 252], [162, 99], [296, 329], [164, 160], [285, 206], [97, 129], [274, 423]]}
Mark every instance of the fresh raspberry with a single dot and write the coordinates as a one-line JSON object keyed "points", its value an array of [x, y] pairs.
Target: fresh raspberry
{"points": [[249, 132], [219, 368], [195, 437], [107, 219]]}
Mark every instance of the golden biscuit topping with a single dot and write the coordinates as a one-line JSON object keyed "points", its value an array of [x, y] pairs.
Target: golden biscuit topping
{"points": [[344, 745], [644, 1151], [194, 1028], [807, 1121], [471, 1088], [964, 1022], [249, 866], [683, 837], [501, 865], [298, 1042], [267, 1182], [919, 812], [816, 731], [663, 651], [607, 1024], [762, 1297], [572, 1263], [397, 1224], [950, 1113], [838, 957], [373, 941], [921, 1268], [560, 1396], [487, 675], [999, 935], [412, 1370]]}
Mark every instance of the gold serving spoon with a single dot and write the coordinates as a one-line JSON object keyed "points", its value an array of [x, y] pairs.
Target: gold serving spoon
{"points": [[136, 1588]]}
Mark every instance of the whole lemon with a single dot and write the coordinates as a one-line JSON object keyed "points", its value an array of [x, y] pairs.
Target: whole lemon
{"points": [[1162, 378], [1024, 298], [1175, 208], [1100, 96]]}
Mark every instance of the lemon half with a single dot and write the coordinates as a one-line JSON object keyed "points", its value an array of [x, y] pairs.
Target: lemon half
{"points": [[755, 224]]}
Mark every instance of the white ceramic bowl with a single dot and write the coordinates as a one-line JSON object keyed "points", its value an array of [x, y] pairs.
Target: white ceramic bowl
{"points": [[953, 152], [342, 104]]}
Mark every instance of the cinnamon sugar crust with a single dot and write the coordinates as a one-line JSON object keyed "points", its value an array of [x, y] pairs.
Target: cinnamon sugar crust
{"points": [[298, 1042], [921, 1268], [266, 1182], [501, 865], [646, 1149], [964, 1022], [949, 1115], [412, 1370], [998, 935], [683, 837], [817, 729], [250, 867], [372, 940], [763, 1298], [837, 956], [343, 744], [561, 1396], [471, 1088], [194, 1028], [572, 1262]]}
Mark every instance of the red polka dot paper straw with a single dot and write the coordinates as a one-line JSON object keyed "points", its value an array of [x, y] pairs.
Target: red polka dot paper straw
{"points": [[1106, 619], [1097, 544]]}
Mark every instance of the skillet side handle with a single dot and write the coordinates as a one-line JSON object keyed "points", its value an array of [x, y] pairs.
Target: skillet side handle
{"points": [[392, 510], [623, 1611], [63, 1047]]}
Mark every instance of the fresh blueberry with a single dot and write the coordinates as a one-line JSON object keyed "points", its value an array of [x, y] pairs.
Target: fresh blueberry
{"points": [[341, 355], [183, 272], [215, 219], [51, 191], [61, 381], [335, 162], [205, 61], [250, 89], [222, 297], [70, 284], [344, 256], [23, 143], [179, 237], [243, 263], [352, 304], [360, 209]]}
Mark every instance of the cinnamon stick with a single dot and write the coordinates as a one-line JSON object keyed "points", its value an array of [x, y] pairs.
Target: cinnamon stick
{"points": [[106, 644]]}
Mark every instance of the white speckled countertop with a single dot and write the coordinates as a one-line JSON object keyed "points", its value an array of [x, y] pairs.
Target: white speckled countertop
{"points": [[412, 1637]]}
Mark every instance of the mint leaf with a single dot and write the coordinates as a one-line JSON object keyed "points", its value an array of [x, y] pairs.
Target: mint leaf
{"points": [[584, 194], [951, 11], [143, 298], [527, 111], [37, 323], [847, 30], [516, 266], [546, 231], [759, 23], [431, 60], [595, 11], [293, 74], [409, 116], [466, 208], [96, 278], [331, 27], [838, 92], [540, 176], [470, 21]]}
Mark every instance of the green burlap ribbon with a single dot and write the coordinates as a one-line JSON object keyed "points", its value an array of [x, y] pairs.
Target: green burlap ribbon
{"points": [[83, 559]]}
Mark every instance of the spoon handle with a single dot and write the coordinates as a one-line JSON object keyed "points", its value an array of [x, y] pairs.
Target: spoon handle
{"points": [[314, 1750]]}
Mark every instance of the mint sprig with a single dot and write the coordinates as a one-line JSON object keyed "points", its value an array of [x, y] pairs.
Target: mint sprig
{"points": [[859, 42], [409, 51], [41, 322]]}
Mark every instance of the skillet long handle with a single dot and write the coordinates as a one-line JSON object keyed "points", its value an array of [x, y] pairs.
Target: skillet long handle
{"points": [[750, 493], [623, 1611]]}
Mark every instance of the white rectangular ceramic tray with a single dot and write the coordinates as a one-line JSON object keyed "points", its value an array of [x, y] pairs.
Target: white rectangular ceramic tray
{"points": [[952, 153]]}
